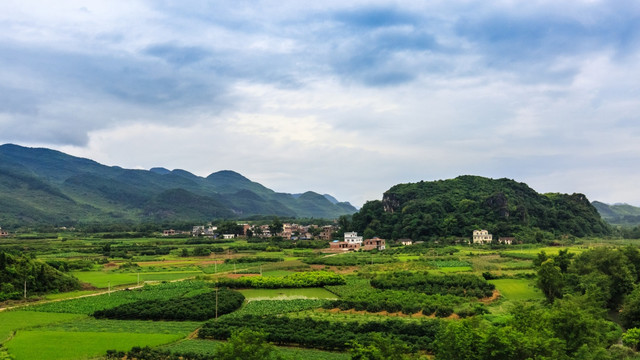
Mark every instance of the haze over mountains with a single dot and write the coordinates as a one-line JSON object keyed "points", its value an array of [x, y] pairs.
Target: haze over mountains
{"points": [[40, 185]]}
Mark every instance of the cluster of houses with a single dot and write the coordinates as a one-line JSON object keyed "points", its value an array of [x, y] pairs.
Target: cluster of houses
{"points": [[289, 232], [3, 233], [354, 242]]}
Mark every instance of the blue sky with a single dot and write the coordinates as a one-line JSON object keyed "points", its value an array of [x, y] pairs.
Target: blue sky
{"points": [[340, 97]]}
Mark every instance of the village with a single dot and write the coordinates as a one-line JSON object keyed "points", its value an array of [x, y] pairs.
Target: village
{"points": [[350, 242]]}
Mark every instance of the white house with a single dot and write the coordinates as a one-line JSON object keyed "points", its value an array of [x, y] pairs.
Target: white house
{"points": [[482, 237], [352, 238]]}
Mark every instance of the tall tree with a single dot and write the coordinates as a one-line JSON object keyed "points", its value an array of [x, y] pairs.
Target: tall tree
{"points": [[550, 280]]}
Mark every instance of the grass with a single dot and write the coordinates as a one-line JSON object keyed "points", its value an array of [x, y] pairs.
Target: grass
{"points": [[517, 289], [288, 294], [15, 320], [64, 345]]}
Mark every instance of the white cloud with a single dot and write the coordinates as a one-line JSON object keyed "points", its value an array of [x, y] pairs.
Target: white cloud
{"points": [[343, 98]]}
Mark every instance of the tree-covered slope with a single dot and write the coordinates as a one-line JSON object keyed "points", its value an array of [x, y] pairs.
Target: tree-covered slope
{"points": [[456, 207], [18, 272], [49, 187]]}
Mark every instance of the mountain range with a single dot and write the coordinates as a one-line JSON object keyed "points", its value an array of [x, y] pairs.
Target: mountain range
{"points": [[619, 214], [44, 186]]}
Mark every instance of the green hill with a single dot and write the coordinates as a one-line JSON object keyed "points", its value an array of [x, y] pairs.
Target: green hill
{"points": [[456, 207], [43, 186]]}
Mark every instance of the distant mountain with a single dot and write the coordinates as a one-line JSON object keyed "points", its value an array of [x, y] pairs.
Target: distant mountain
{"points": [[456, 207], [618, 214], [43, 186]]}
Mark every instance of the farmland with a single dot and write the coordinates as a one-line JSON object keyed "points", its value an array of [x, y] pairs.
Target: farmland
{"points": [[414, 295]]}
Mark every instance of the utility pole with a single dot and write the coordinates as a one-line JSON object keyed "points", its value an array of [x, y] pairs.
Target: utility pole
{"points": [[138, 279], [109, 291], [25, 288], [216, 301]]}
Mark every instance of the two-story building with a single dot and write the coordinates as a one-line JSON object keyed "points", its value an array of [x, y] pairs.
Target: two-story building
{"points": [[482, 237], [375, 243]]}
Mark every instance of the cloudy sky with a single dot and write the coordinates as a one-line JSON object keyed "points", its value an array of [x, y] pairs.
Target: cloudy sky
{"points": [[340, 97]]}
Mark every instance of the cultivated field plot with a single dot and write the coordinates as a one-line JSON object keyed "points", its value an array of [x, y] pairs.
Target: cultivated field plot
{"points": [[287, 294], [102, 279], [11, 321], [63, 345], [517, 289]]}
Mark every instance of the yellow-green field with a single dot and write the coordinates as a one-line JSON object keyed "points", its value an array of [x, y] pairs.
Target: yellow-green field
{"points": [[517, 289], [287, 294]]}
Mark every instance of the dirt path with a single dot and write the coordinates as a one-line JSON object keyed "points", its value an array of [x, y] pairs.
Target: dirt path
{"points": [[70, 298]]}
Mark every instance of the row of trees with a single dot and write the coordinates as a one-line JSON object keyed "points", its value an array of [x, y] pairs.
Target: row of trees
{"points": [[423, 282], [407, 302], [245, 344], [323, 334], [199, 307], [295, 280]]}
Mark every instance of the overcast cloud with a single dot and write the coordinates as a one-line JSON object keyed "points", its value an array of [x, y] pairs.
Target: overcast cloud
{"points": [[340, 97]]}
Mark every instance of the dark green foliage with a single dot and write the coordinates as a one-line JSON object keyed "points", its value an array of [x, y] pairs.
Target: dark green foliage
{"points": [[423, 282], [408, 302], [295, 280], [456, 207], [322, 334], [378, 346], [630, 313], [550, 280], [605, 273], [199, 307], [573, 328], [247, 345], [40, 278]]}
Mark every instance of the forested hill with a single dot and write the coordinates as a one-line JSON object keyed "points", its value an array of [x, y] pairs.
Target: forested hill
{"points": [[43, 186], [455, 207]]}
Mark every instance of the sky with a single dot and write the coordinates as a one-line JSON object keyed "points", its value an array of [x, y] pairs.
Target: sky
{"points": [[341, 97]]}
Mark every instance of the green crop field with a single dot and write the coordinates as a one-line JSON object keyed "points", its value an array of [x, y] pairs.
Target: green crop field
{"points": [[14, 320], [269, 307], [517, 289], [64, 345]]}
